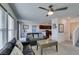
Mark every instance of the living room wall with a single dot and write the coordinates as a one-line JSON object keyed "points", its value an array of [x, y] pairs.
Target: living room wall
{"points": [[70, 24], [29, 30], [29, 24], [56, 35]]}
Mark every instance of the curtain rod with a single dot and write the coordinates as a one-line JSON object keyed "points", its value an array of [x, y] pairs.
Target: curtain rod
{"points": [[6, 11]]}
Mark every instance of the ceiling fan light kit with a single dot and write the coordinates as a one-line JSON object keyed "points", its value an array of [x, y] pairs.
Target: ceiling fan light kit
{"points": [[50, 13]]}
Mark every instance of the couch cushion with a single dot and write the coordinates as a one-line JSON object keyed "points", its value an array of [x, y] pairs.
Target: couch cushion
{"points": [[30, 36], [6, 50], [27, 50], [19, 45], [16, 51]]}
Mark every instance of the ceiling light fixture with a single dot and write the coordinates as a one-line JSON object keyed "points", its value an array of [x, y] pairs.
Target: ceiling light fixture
{"points": [[50, 13]]}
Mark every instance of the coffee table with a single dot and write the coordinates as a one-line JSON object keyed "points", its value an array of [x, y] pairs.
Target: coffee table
{"points": [[46, 43]]}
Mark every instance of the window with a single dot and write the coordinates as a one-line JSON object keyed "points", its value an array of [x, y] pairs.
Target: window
{"points": [[10, 28], [6, 27], [3, 28], [0, 28]]}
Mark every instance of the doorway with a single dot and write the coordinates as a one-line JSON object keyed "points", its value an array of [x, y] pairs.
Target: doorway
{"points": [[73, 26]]}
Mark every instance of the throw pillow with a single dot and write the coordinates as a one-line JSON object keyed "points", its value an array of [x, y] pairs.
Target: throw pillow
{"points": [[16, 51], [19, 45]]}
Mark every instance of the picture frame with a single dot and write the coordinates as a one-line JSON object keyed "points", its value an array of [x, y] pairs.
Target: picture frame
{"points": [[54, 26], [26, 26], [61, 28]]}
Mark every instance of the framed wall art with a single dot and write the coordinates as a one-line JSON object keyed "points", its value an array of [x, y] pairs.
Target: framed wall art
{"points": [[61, 28], [26, 26], [54, 26]]}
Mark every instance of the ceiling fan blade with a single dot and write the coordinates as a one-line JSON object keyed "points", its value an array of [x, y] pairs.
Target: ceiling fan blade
{"points": [[43, 8], [64, 8]]}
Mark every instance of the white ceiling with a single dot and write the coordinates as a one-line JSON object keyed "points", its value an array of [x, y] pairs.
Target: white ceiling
{"points": [[30, 11]]}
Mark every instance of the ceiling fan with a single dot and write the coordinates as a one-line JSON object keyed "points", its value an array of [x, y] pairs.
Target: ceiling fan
{"points": [[51, 10]]}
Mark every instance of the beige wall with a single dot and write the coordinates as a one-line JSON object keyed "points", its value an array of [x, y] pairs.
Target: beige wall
{"points": [[73, 25], [66, 34], [69, 26]]}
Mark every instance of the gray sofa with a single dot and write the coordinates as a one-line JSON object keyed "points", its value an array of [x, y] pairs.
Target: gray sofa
{"points": [[7, 49], [34, 37]]}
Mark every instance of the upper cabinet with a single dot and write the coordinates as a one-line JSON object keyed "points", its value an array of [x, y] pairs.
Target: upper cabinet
{"points": [[44, 26]]}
